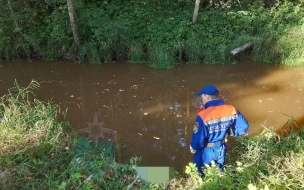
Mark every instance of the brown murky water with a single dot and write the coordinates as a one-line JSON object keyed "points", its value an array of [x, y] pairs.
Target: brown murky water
{"points": [[153, 111]]}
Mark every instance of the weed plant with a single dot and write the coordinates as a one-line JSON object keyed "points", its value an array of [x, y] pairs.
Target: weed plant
{"points": [[290, 46], [34, 147], [137, 54], [160, 57]]}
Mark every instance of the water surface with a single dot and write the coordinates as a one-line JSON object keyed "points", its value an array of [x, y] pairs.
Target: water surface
{"points": [[153, 111]]}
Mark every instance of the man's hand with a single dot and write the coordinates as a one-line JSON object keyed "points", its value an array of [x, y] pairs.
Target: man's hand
{"points": [[192, 150]]}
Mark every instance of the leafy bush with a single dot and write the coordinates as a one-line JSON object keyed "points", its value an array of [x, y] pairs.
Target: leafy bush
{"points": [[114, 29]]}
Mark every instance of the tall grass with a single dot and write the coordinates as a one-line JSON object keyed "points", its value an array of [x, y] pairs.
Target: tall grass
{"points": [[193, 51], [160, 56], [137, 54], [291, 46], [32, 142], [274, 160]]}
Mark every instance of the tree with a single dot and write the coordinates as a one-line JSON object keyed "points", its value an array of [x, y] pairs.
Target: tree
{"points": [[13, 13], [196, 8], [73, 22]]}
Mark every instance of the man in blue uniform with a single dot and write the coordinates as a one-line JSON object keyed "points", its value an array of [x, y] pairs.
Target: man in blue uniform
{"points": [[212, 125]]}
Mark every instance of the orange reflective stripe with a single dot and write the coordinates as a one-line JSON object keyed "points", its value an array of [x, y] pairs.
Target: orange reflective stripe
{"points": [[215, 112]]}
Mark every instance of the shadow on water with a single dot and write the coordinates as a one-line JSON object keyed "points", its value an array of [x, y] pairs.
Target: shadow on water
{"points": [[153, 111]]}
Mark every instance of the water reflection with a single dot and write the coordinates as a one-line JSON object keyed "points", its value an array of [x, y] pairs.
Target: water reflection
{"points": [[153, 111]]}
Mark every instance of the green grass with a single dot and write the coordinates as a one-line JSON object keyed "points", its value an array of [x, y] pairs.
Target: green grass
{"points": [[161, 57], [291, 46], [136, 54]]}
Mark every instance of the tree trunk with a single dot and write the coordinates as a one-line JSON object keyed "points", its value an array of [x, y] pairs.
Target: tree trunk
{"points": [[195, 14], [74, 25], [13, 14]]}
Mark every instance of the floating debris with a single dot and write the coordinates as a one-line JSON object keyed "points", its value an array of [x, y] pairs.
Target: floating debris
{"points": [[156, 138], [134, 87]]}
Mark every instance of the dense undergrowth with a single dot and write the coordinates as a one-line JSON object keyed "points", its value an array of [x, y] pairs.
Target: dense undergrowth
{"points": [[38, 152], [158, 33]]}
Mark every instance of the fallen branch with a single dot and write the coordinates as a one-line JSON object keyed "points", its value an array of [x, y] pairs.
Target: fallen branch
{"points": [[240, 49]]}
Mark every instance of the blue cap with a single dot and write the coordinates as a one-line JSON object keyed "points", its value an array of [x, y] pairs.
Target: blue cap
{"points": [[209, 90]]}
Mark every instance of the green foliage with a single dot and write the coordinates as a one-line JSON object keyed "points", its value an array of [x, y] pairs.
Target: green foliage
{"points": [[158, 33], [102, 41], [290, 46], [273, 160], [32, 141], [161, 58], [195, 178], [57, 36], [136, 54]]}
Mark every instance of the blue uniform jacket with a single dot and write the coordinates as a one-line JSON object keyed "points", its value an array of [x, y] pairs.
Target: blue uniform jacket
{"points": [[212, 124]]}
